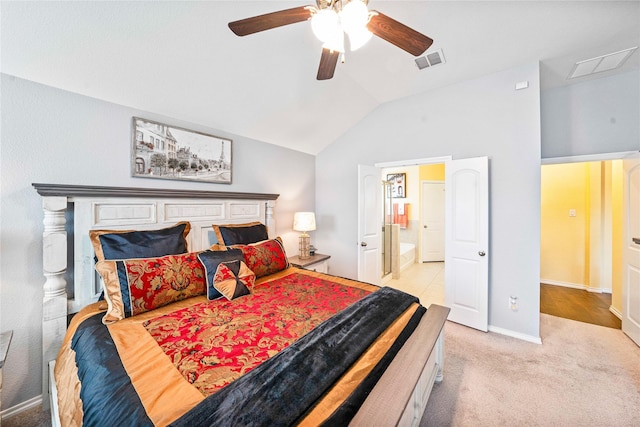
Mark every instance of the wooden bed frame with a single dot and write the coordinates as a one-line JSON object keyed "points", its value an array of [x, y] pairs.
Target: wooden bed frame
{"points": [[70, 211]]}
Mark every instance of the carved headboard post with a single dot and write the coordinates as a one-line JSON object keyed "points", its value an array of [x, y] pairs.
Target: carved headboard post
{"points": [[54, 265], [270, 220]]}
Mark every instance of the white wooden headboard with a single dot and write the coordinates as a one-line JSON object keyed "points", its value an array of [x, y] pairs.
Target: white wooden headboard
{"points": [[70, 211]]}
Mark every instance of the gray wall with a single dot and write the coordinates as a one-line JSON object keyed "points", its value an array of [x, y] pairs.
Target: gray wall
{"points": [[594, 117], [53, 136], [480, 117]]}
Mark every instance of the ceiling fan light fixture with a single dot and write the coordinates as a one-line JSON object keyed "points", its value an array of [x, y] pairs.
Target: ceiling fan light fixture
{"points": [[336, 42], [325, 24], [359, 38], [354, 16], [330, 26]]}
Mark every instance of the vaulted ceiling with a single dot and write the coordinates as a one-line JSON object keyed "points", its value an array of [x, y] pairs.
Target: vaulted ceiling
{"points": [[179, 59]]}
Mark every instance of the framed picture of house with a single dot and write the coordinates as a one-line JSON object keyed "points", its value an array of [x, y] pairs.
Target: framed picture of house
{"points": [[399, 184], [170, 152]]}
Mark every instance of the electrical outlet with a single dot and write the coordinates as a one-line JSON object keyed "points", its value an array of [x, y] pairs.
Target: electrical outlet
{"points": [[513, 303]]}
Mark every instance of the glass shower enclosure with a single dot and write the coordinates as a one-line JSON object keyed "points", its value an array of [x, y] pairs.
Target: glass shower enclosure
{"points": [[387, 220]]}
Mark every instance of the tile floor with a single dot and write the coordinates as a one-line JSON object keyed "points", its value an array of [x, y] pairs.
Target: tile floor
{"points": [[424, 280]]}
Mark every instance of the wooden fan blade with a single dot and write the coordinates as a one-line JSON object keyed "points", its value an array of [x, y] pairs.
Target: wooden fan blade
{"points": [[398, 34], [271, 20], [328, 62]]}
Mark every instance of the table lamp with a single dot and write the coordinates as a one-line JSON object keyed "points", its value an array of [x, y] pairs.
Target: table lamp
{"points": [[304, 221]]}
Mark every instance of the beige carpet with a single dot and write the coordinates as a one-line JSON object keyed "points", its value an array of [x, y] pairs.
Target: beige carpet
{"points": [[582, 375]]}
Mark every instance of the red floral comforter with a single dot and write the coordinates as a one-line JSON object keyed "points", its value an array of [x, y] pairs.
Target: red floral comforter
{"points": [[213, 343]]}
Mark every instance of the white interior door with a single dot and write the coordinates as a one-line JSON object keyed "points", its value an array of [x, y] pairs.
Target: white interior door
{"points": [[432, 213], [631, 250], [369, 224], [467, 239]]}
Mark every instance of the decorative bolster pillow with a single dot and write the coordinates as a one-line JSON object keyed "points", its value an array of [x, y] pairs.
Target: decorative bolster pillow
{"points": [[134, 286], [264, 258], [128, 244], [227, 274], [241, 234]]}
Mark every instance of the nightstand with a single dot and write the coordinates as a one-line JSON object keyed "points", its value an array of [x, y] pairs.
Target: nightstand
{"points": [[317, 262]]}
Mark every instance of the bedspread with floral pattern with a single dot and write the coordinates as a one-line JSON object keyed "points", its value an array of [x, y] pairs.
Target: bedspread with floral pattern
{"points": [[215, 342]]}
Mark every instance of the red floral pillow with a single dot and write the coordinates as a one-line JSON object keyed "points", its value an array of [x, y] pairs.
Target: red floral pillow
{"points": [[134, 286], [264, 258]]}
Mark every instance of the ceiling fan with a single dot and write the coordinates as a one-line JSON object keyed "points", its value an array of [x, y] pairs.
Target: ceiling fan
{"points": [[330, 21]]}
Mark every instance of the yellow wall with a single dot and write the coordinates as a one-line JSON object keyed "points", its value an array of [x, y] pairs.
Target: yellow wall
{"points": [[585, 250], [564, 239], [415, 175], [432, 172]]}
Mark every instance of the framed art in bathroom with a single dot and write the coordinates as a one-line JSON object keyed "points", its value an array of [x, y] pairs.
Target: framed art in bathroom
{"points": [[399, 184]]}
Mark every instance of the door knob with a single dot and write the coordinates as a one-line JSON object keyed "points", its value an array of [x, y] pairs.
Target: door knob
{"points": [[636, 240], [481, 253], [425, 226], [363, 244]]}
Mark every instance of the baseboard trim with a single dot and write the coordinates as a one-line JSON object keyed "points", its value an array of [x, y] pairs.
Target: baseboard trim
{"points": [[615, 312], [21, 407], [575, 286], [513, 334], [564, 284]]}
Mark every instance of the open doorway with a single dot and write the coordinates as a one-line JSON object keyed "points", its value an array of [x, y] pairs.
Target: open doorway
{"points": [[581, 241], [413, 231], [467, 234]]}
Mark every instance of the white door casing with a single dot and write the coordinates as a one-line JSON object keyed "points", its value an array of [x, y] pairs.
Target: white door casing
{"points": [[631, 248], [432, 218], [369, 224], [467, 240]]}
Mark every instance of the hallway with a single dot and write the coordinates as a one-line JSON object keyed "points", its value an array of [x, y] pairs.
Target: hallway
{"points": [[578, 304]]}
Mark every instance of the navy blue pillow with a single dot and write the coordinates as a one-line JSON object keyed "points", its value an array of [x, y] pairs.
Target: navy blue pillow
{"points": [[211, 260], [128, 244], [241, 234], [114, 244]]}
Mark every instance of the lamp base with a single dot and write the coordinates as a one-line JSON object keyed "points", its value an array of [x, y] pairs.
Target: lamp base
{"points": [[304, 246]]}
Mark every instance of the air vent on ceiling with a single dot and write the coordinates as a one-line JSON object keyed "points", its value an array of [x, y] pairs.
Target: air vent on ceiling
{"points": [[600, 63], [430, 59]]}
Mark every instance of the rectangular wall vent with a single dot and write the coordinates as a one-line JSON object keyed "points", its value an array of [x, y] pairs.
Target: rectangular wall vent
{"points": [[430, 59], [600, 63]]}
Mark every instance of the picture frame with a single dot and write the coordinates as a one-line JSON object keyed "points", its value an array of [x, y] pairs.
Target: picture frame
{"points": [[171, 152], [399, 186]]}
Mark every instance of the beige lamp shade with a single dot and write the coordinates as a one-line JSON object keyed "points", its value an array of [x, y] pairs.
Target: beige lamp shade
{"points": [[304, 221]]}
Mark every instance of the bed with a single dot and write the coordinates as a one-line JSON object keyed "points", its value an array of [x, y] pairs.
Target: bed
{"points": [[295, 346]]}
